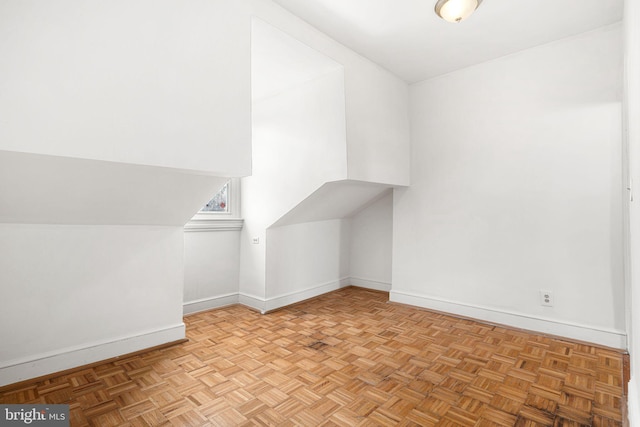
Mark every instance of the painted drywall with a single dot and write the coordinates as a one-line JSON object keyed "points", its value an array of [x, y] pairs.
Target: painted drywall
{"points": [[281, 62], [516, 188], [319, 146], [376, 107], [377, 127], [136, 127], [306, 260], [333, 200], [100, 128], [78, 294], [211, 269], [170, 89], [43, 189], [632, 143], [171, 81], [371, 243], [298, 144]]}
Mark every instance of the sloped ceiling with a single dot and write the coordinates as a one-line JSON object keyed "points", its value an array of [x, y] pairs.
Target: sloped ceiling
{"points": [[407, 38], [333, 200], [42, 189]]}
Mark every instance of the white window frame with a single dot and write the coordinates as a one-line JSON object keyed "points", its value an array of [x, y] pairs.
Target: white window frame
{"points": [[220, 221]]}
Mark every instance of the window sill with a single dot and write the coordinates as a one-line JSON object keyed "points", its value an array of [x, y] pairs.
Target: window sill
{"points": [[211, 223]]}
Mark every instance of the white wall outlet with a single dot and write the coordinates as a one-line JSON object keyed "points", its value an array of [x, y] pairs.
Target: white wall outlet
{"points": [[255, 240], [546, 298]]}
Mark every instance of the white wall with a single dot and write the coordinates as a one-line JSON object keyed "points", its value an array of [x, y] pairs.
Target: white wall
{"points": [[105, 128], [377, 127], [298, 144], [302, 260], [73, 295], [211, 269], [349, 123], [173, 80], [144, 82], [44, 189], [376, 108], [171, 88], [305, 260], [516, 187], [371, 243], [632, 139]]}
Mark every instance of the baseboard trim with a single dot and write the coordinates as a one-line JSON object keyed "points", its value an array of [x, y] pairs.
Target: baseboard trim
{"points": [[274, 303], [204, 304], [604, 337], [252, 301], [61, 360], [265, 305], [31, 381], [370, 284]]}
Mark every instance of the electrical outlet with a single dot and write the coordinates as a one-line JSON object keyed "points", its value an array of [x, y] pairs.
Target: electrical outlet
{"points": [[256, 240], [546, 298]]}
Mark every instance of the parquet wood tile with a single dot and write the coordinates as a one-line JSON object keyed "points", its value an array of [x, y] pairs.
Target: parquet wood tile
{"points": [[347, 358]]}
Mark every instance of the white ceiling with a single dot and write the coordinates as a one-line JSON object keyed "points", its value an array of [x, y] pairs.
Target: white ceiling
{"points": [[333, 200], [43, 189], [407, 38]]}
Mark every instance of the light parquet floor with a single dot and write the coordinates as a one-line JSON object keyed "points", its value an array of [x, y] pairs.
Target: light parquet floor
{"points": [[345, 359]]}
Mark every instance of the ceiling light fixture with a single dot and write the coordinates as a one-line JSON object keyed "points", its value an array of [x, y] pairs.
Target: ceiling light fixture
{"points": [[456, 10]]}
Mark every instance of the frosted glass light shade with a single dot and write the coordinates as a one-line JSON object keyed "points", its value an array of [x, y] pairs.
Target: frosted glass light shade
{"points": [[456, 10]]}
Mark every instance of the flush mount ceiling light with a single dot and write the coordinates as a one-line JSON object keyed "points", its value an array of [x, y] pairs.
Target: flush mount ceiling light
{"points": [[456, 10]]}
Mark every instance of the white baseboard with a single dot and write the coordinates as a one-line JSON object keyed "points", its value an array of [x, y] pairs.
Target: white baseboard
{"points": [[252, 301], [370, 284], [274, 303], [60, 360], [633, 402], [606, 337], [264, 305], [205, 304]]}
